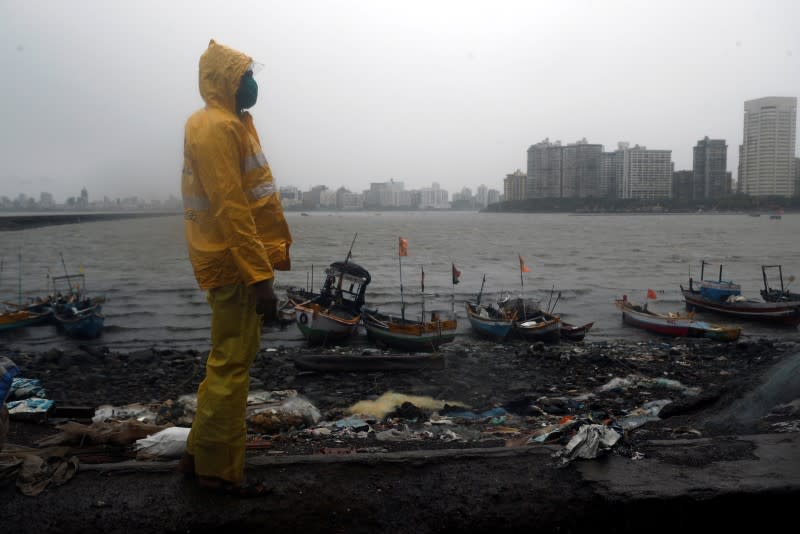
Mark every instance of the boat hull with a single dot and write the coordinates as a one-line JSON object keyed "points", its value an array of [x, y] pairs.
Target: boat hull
{"points": [[542, 328], [782, 313], [20, 319], [488, 327], [409, 335], [325, 326], [675, 325], [84, 323], [574, 333]]}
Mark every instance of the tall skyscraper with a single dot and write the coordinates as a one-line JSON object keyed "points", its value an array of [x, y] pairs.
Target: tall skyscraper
{"points": [[515, 186], [556, 171], [710, 173], [646, 174], [769, 146], [544, 169], [581, 170]]}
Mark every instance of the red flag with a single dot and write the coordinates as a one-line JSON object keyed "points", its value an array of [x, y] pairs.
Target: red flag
{"points": [[456, 274], [651, 294], [522, 267], [403, 247]]}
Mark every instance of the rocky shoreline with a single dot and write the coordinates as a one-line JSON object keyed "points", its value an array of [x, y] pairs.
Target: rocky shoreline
{"points": [[710, 388]]}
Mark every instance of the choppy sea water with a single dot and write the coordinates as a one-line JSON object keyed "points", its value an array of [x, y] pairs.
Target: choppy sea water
{"points": [[141, 266]]}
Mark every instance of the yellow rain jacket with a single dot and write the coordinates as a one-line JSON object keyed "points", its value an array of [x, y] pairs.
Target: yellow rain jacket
{"points": [[234, 223]]}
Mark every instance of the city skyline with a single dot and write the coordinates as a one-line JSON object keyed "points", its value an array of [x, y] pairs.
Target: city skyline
{"points": [[96, 94]]}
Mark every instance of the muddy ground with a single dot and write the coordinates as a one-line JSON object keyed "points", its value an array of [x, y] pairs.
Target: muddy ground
{"points": [[490, 480]]}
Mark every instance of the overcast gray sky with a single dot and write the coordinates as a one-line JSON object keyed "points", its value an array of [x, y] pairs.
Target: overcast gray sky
{"points": [[95, 93]]}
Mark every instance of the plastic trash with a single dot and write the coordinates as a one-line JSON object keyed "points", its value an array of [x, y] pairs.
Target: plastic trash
{"points": [[25, 388], [29, 408], [644, 414], [588, 443], [293, 412], [169, 443], [140, 412], [615, 384], [353, 423]]}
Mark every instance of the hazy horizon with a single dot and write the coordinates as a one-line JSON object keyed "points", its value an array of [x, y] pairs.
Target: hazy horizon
{"points": [[96, 94]]}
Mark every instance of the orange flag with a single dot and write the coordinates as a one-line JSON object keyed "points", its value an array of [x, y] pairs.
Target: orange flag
{"points": [[522, 267], [651, 294], [403, 247]]}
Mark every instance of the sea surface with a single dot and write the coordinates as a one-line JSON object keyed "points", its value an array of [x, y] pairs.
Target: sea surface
{"points": [[142, 268]]}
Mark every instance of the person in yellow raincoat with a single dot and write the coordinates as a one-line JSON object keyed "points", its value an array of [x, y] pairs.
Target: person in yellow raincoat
{"points": [[237, 237]]}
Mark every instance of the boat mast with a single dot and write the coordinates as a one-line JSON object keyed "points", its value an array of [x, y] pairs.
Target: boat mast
{"points": [[19, 279], [422, 290], [63, 264], [480, 293], [400, 264]]}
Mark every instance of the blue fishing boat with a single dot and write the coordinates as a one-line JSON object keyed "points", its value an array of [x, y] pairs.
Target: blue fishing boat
{"points": [[729, 302], [74, 312], [488, 321]]}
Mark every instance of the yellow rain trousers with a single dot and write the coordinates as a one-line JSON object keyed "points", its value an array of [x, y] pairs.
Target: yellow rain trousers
{"points": [[217, 438]]}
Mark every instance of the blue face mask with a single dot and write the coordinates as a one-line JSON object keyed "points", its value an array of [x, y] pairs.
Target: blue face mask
{"points": [[247, 94]]}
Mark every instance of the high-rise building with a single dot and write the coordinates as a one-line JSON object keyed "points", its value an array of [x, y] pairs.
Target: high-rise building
{"points": [[797, 176], [739, 171], [769, 146], [433, 197], [493, 196], [556, 171], [544, 170], [515, 186], [386, 194], [347, 200], [646, 174], [46, 200], [611, 165], [581, 169], [481, 198], [710, 173], [682, 188]]}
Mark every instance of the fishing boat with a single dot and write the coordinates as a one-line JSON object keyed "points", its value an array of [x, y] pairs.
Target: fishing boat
{"points": [[18, 315], [294, 296], [401, 332], [407, 334], [530, 321], [673, 324], [334, 314], [74, 312], [777, 295], [15, 319], [489, 321], [541, 326], [572, 332], [725, 298]]}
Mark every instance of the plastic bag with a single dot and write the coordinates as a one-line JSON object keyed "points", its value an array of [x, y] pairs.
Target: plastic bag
{"points": [[8, 370], [26, 388], [294, 412], [169, 443], [141, 412]]}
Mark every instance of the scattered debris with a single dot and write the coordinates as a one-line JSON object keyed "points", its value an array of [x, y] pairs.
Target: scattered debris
{"points": [[168, 443], [588, 443]]}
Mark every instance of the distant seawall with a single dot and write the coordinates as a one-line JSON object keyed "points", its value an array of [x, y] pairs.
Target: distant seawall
{"points": [[24, 222]]}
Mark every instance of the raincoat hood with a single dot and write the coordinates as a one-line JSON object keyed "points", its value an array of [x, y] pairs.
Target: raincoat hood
{"points": [[221, 70]]}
